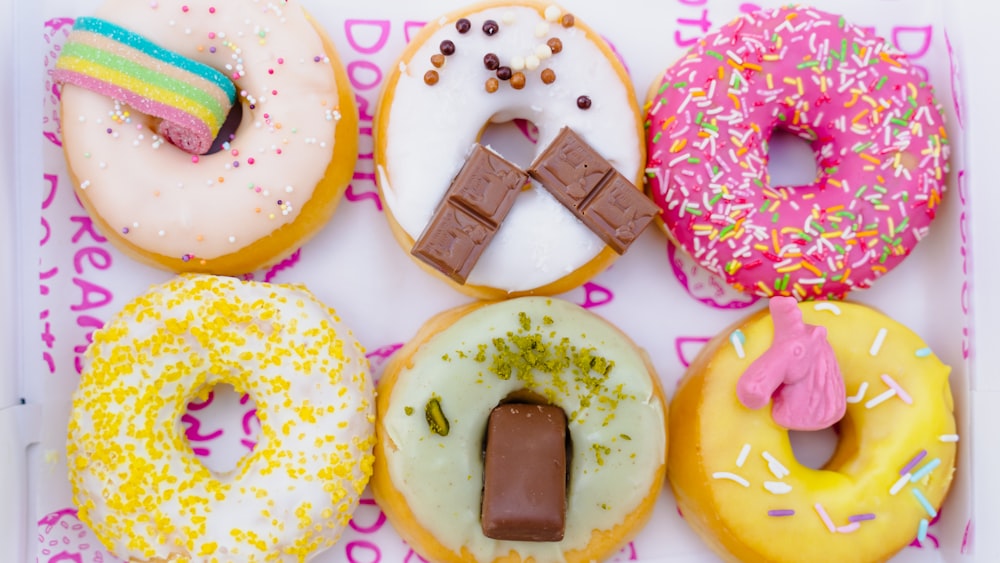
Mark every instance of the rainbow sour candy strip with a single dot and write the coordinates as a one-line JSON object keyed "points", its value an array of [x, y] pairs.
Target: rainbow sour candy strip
{"points": [[192, 99]]}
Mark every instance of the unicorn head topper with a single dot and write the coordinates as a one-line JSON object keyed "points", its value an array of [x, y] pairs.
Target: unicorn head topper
{"points": [[799, 372]]}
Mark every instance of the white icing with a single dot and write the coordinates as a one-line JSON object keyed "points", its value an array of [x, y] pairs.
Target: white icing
{"points": [[135, 478], [132, 178], [441, 476], [430, 129]]}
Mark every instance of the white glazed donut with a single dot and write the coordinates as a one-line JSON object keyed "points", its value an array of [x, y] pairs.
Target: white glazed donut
{"points": [[137, 482], [471, 359], [272, 187], [424, 134]]}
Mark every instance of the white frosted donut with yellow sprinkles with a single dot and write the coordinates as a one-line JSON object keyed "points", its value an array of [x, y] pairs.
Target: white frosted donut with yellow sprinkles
{"points": [[137, 482], [739, 483]]}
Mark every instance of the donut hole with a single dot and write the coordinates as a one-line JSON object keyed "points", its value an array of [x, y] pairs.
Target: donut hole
{"points": [[514, 140], [221, 428], [791, 160], [228, 130], [815, 449]]}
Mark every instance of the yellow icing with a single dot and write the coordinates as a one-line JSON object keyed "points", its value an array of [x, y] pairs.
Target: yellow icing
{"points": [[135, 479], [716, 442]]}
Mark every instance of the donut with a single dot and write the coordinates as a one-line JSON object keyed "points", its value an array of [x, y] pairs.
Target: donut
{"points": [[871, 119], [493, 63], [147, 86], [439, 393], [135, 478], [732, 468]]}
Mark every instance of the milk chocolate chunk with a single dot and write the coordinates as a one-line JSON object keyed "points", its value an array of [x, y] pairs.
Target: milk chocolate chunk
{"points": [[589, 186], [524, 483], [465, 221]]}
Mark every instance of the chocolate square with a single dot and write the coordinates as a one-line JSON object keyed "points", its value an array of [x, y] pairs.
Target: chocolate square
{"points": [[604, 200], [478, 199], [524, 477]]}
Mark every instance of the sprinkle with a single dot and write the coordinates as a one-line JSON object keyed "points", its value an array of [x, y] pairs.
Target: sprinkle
{"points": [[899, 484], [877, 344], [925, 470], [880, 398], [924, 352], [583, 102], [853, 526], [743, 455], [922, 530], [924, 503], [900, 392], [948, 437], [552, 13], [781, 512], [777, 487], [731, 477], [913, 462], [861, 517], [825, 517], [862, 389], [737, 339], [779, 470], [827, 307]]}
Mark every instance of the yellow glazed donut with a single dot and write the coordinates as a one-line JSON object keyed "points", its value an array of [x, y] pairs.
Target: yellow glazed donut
{"points": [[438, 391], [554, 71], [146, 86], [732, 468], [137, 482]]}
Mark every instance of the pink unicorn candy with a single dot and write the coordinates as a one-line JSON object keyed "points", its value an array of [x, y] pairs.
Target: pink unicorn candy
{"points": [[799, 372]]}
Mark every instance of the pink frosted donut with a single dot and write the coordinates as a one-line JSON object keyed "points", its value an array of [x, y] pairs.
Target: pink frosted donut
{"points": [[872, 121]]}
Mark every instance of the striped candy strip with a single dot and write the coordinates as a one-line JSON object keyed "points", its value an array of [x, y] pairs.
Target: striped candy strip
{"points": [[192, 99]]}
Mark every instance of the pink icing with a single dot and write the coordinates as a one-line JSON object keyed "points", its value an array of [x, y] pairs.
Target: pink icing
{"points": [[868, 115], [799, 372]]}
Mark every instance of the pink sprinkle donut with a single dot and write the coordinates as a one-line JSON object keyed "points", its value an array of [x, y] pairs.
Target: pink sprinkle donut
{"points": [[872, 121]]}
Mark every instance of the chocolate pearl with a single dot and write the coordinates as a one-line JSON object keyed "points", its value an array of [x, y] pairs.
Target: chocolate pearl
{"points": [[568, 20], [492, 84], [548, 76], [463, 25], [447, 47], [583, 102], [431, 77], [517, 80], [437, 60], [491, 61], [504, 73], [490, 27], [555, 44]]}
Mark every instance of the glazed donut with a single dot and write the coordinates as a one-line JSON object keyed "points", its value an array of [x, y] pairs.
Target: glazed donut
{"points": [[429, 482], [871, 119], [555, 72], [732, 468], [136, 481], [144, 90]]}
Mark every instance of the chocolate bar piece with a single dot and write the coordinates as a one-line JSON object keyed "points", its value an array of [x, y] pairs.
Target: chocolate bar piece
{"points": [[465, 221], [524, 482], [589, 186]]}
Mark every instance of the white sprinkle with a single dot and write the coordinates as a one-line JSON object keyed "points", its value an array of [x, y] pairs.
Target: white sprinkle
{"points": [[899, 484], [232, 239], [881, 398], [825, 517], [161, 233], [507, 18], [531, 62], [777, 487], [84, 184], [743, 455], [862, 389], [849, 527], [877, 344], [827, 307], [541, 29], [736, 338], [552, 13], [517, 63], [731, 477], [948, 437], [543, 51], [779, 470]]}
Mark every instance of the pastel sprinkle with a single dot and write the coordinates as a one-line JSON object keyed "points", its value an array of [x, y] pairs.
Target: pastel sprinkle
{"points": [[861, 517], [857, 397], [899, 484], [781, 512], [948, 437], [777, 487], [737, 339], [853, 526], [924, 352], [825, 517], [922, 530], [900, 392], [877, 344], [880, 398], [744, 452], [924, 503], [826, 306], [731, 477], [779, 470], [913, 462], [925, 470]]}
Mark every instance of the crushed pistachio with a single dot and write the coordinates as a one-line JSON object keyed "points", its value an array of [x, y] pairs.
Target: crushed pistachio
{"points": [[408, 410], [436, 419]]}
